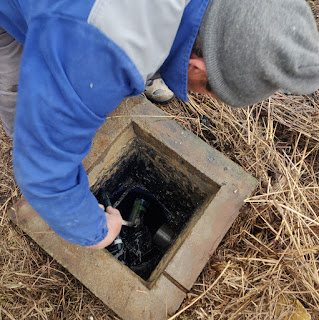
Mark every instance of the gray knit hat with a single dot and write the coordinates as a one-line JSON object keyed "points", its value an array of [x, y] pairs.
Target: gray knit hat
{"points": [[252, 48]]}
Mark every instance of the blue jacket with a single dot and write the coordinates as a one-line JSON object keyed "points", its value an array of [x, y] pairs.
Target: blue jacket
{"points": [[80, 59]]}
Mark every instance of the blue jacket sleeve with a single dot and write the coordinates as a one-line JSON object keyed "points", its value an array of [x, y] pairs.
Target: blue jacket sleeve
{"points": [[71, 77]]}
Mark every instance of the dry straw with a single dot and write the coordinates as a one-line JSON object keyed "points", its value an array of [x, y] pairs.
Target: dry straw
{"points": [[268, 259], [273, 245]]}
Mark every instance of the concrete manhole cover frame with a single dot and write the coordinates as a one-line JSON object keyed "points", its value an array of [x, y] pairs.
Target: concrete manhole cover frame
{"points": [[116, 285]]}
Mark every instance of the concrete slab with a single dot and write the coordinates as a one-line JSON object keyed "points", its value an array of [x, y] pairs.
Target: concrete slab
{"points": [[220, 186]]}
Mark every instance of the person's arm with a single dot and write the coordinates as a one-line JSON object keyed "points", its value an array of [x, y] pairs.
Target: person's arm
{"points": [[71, 77]]}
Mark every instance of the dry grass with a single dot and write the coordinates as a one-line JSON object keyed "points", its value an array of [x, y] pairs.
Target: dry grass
{"points": [[268, 258], [271, 251], [32, 284]]}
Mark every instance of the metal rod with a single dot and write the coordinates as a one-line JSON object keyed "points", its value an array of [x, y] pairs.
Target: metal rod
{"points": [[109, 204]]}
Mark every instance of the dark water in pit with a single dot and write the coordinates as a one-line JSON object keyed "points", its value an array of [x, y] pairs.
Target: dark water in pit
{"points": [[172, 199], [139, 251]]}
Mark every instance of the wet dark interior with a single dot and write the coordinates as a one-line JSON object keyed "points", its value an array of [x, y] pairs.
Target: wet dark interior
{"points": [[155, 190]]}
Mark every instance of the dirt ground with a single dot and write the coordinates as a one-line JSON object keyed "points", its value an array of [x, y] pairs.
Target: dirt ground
{"points": [[269, 259]]}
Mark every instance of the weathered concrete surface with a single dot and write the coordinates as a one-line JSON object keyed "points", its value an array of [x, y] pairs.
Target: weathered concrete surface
{"points": [[117, 286], [110, 131]]}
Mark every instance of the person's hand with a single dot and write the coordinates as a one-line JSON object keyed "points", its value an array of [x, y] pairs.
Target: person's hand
{"points": [[114, 224]]}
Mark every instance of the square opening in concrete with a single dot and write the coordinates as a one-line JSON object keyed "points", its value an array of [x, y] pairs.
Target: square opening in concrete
{"points": [[169, 194], [195, 192]]}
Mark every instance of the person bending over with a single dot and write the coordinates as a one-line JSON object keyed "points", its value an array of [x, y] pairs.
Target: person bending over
{"points": [[65, 65]]}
